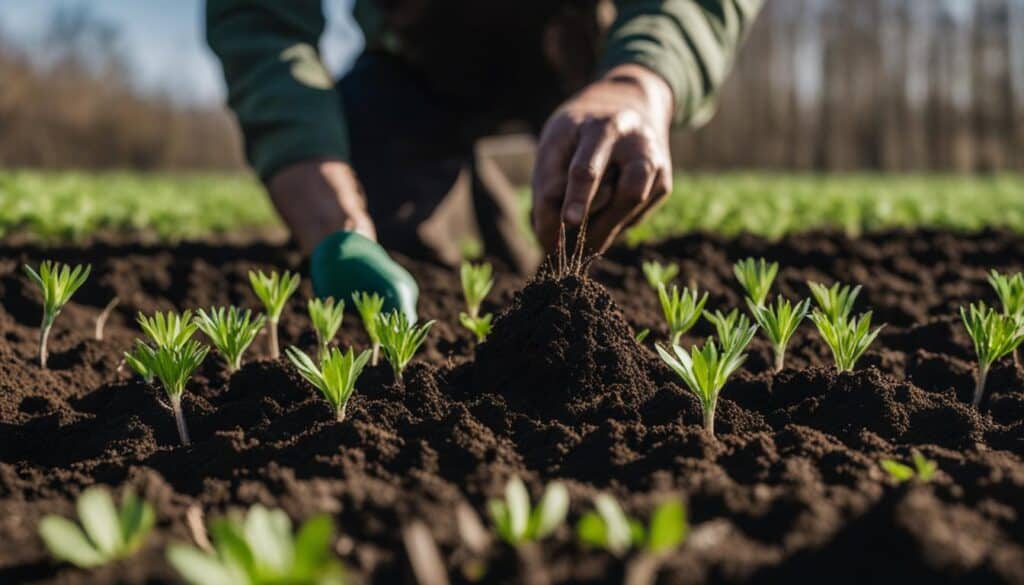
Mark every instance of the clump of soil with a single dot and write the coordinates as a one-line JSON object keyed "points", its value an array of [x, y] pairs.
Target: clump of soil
{"points": [[562, 349]]}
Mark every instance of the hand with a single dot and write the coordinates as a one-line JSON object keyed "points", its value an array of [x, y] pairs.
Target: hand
{"points": [[317, 198], [604, 154]]}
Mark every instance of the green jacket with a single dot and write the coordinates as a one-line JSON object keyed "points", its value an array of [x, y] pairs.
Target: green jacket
{"points": [[289, 111]]}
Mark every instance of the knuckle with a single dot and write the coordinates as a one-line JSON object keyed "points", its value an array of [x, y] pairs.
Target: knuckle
{"points": [[583, 172]]}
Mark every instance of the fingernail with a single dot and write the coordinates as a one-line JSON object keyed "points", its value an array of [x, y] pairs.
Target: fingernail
{"points": [[574, 212]]}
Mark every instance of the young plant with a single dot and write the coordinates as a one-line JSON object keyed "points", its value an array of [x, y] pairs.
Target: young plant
{"points": [[105, 533], [1010, 290], [730, 328], [273, 291], [335, 378], [994, 335], [836, 301], [326, 316], [173, 368], [168, 330], [57, 282], [706, 370], [476, 283], [231, 331], [923, 470], [260, 549], [682, 310], [609, 528], [756, 277], [847, 338], [516, 522], [400, 339], [658, 274], [779, 323], [369, 306]]}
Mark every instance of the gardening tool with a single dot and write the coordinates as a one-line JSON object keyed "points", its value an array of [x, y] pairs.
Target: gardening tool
{"points": [[346, 262]]}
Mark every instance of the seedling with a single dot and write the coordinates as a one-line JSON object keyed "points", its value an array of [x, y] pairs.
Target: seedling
{"points": [[608, 527], [847, 338], [516, 522], [779, 323], [682, 310], [476, 283], [173, 368], [231, 331], [756, 277], [400, 339], [706, 370], [58, 282], [273, 291], [923, 469], [335, 378], [1010, 290], [168, 330], [730, 328], [105, 534], [642, 335], [658, 274], [994, 335], [260, 549], [326, 316], [369, 306], [835, 301]]}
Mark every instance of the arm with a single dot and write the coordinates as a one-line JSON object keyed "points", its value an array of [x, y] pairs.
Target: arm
{"points": [[604, 154], [290, 115]]}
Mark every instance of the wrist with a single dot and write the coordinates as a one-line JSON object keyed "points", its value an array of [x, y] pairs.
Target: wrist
{"points": [[647, 84]]}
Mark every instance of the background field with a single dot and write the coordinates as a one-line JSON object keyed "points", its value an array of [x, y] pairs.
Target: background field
{"points": [[68, 205]]}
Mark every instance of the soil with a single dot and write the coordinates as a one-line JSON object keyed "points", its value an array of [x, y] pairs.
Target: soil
{"points": [[789, 488]]}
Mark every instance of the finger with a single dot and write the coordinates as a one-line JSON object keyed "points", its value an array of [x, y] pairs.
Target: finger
{"points": [[631, 195], [586, 170], [550, 179]]}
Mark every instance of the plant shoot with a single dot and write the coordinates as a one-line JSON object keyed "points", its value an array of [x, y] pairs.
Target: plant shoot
{"points": [[730, 328], [104, 534], [273, 291], [57, 283], [231, 331], [173, 368], [779, 323], [516, 522], [609, 528], [400, 339], [477, 281], [995, 335], [336, 376], [658, 274], [836, 301], [682, 310], [369, 306], [923, 469], [168, 330], [847, 338], [326, 315], [756, 278]]}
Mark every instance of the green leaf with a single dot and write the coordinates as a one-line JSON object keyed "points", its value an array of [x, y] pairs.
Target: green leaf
{"points": [[313, 542], [500, 516], [897, 470], [100, 519], [229, 541], [668, 527], [551, 511], [591, 530], [136, 519], [925, 467], [517, 499], [269, 534], [66, 541], [199, 568]]}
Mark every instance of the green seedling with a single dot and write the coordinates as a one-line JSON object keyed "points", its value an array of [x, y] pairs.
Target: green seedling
{"points": [[273, 291], [658, 274], [335, 378], [57, 282], [1010, 290], [923, 469], [326, 316], [642, 335], [779, 323], [756, 277], [369, 306], [400, 339], [105, 533], [173, 368], [517, 522], [706, 370], [994, 335], [261, 549], [168, 330], [476, 283], [730, 328], [609, 528], [682, 310], [836, 301], [847, 338], [231, 331]]}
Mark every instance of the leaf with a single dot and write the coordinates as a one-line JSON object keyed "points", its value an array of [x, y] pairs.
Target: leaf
{"points": [[897, 470], [229, 541], [199, 568], [313, 543], [619, 535], [518, 501], [668, 527], [136, 519], [269, 534], [499, 515], [66, 542], [926, 468], [591, 530], [99, 517], [551, 511]]}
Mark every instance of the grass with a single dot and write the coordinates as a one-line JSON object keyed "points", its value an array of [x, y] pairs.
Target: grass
{"points": [[69, 204]]}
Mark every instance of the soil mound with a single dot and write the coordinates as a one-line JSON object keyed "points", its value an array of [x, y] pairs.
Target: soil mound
{"points": [[562, 349]]}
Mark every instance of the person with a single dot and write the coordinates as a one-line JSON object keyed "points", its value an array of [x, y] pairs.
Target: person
{"points": [[391, 150]]}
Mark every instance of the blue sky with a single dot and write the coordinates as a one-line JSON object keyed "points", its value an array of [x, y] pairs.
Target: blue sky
{"points": [[164, 40]]}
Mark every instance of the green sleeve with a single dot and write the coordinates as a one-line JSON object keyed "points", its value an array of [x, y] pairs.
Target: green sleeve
{"points": [[689, 43], [278, 88]]}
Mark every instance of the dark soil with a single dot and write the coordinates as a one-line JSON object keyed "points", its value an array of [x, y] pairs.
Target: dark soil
{"points": [[790, 489]]}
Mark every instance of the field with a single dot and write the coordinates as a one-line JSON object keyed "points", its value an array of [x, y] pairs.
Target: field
{"points": [[790, 487]]}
